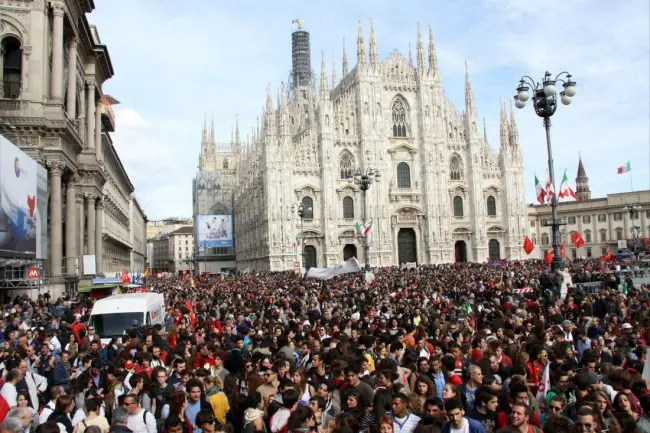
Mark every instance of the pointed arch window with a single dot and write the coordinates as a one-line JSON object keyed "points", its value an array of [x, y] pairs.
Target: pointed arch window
{"points": [[455, 168], [12, 63], [348, 208], [491, 206], [346, 163], [458, 206], [403, 175], [400, 124]]}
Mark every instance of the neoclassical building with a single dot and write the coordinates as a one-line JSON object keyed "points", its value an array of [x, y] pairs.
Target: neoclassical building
{"points": [[602, 221], [445, 193], [52, 68]]}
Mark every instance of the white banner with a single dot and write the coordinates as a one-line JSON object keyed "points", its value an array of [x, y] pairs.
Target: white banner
{"points": [[346, 267]]}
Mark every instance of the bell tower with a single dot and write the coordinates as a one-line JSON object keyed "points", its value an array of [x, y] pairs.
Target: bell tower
{"points": [[582, 183]]}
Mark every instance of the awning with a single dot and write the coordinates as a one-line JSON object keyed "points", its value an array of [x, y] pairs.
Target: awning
{"points": [[88, 289]]}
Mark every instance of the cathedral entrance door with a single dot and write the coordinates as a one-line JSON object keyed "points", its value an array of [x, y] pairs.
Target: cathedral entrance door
{"points": [[349, 251], [406, 246], [494, 249], [310, 256], [461, 251]]}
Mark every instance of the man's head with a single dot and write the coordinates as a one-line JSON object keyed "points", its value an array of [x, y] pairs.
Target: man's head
{"points": [[400, 405], [194, 390], [519, 415], [131, 404], [120, 416], [586, 421], [23, 415], [455, 412]]}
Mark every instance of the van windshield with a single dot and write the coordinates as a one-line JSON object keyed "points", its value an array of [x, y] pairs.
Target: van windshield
{"points": [[114, 325]]}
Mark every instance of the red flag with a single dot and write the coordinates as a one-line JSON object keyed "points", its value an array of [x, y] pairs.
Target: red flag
{"points": [[562, 249], [608, 256], [528, 246], [577, 239], [548, 257]]}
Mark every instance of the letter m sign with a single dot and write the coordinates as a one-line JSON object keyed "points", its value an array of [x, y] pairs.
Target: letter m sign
{"points": [[32, 273]]}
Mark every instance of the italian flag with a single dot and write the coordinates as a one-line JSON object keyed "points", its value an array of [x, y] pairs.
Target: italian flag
{"points": [[539, 190], [624, 168], [363, 229], [565, 189], [550, 189], [297, 241]]}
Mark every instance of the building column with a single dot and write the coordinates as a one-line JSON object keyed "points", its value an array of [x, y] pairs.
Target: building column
{"points": [[56, 232], [56, 77], [82, 115], [90, 217], [81, 228], [71, 225], [90, 114], [98, 132], [99, 244], [71, 100]]}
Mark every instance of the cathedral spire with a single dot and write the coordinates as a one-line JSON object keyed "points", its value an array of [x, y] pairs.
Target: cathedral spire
{"points": [[204, 130], [283, 96], [335, 78], [361, 49], [433, 58], [268, 110], [237, 129], [484, 131], [419, 48], [212, 128], [345, 61], [374, 55], [469, 95], [323, 76], [503, 126], [410, 55], [512, 128]]}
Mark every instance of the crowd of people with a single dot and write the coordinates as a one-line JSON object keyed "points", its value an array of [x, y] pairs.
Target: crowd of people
{"points": [[454, 348]]}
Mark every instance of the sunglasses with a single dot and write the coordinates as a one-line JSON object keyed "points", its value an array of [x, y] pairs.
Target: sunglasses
{"points": [[586, 425], [210, 421], [556, 408]]}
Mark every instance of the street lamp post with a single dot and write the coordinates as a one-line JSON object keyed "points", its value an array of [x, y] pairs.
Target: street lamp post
{"points": [[302, 210], [633, 209], [545, 104], [364, 180]]}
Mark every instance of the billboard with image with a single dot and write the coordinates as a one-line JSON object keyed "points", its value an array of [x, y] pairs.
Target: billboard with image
{"points": [[214, 231], [23, 204]]}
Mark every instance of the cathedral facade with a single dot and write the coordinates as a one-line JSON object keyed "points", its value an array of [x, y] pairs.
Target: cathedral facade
{"points": [[444, 195]]}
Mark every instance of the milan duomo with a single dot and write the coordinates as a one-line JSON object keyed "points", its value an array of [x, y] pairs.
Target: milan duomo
{"points": [[444, 195]]}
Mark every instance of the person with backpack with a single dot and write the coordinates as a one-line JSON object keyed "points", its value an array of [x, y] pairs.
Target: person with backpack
{"points": [[140, 420]]}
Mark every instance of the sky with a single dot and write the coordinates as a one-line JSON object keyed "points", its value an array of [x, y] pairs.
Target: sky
{"points": [[174, 64]]}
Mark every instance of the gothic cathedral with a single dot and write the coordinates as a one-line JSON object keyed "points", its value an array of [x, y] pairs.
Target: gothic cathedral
{"points": [[444, 194]]}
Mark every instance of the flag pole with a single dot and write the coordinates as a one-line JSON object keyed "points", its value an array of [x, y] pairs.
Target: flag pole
{"points": [[631, 184]]}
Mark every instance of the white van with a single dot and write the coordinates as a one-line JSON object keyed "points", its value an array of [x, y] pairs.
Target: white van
{"points": [[112, 316]]}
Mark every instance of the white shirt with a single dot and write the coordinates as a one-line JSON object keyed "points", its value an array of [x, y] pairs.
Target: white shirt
{"points": [[46, 412], [137, 425], [10, 394], [463, 429]]}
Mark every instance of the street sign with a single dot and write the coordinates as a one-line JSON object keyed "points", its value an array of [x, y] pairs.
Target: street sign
{"points": [[622, 244], [32, 273]]}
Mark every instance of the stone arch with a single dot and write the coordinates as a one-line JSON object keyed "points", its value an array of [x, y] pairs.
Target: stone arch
{"points": [[13, 27]]}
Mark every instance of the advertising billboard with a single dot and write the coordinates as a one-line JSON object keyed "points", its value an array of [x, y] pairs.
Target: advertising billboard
{"points": [[23, 204], [214, 231]]}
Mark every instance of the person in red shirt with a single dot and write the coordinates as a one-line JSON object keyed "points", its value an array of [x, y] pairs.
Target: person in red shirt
{"points": [[76, 327]]}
